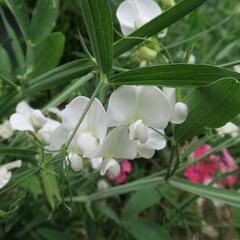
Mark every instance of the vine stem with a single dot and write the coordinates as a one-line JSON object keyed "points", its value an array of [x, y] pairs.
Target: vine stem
{"points": [[96, 91]]}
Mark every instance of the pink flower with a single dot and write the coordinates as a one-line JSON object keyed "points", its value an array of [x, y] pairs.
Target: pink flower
{"points": [[206, 169], [126, 166]]}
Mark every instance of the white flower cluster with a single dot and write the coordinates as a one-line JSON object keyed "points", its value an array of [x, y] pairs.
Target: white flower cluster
{"points": [[136, 117]]}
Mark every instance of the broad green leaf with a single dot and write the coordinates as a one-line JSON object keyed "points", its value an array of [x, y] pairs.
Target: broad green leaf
{"points": [[15, 45], [62, 74], [46, 55], [98, 19], [156, 25], [173, 75], [229, 197], [43, 20], [5, 64], [53, 234], [19, 10], [118, 190], [51, 188], [108, 212], [139, 202], [33, 185], [210, 107], [146, 229]]}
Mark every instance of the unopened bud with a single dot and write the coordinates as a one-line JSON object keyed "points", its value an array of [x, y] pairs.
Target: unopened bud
{"points": [[168, 3], [146, 54]]}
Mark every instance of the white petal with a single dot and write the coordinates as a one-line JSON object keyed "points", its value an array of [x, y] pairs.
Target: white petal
{"points": [[38, 119], [58, 137], [144, 151], [97, 120], [155, 140], [138, 131], [96, 162], [181, 113], [236, 68], [122, 106], [86, 142], [12, 165], [110, 165], [24, 109], [132, 14], [73, 111], [153, 107], [5, 176], [5, 130], [55, 111], [116, 145], [170, 94], [21, 122], [229, 128], [48, 128], [76, 162]]}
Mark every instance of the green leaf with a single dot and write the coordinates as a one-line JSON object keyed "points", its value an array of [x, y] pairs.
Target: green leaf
{"points": [[146, 229], [47, 54], [51, 188], [108, 212], [53, 234], [33, 185], [210, 107], [98, 20], [43, 21], [139, 202], [173, 75], [15, 45], [156, 25], [115, 191], [62, 74], [5, 64], [19, 10], [229, 197]]}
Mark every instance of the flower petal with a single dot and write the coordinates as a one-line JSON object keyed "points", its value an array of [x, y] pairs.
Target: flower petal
{"points": [[110, 165], [38, 119], [116, 145], [58, 137], [144, 151], [73, 111], [86, 142], [21, 122], [76, 162], [122, 106], [12, 165], [96, 162], [5, 176], [155, 140], [24, 109], [181, 113]]}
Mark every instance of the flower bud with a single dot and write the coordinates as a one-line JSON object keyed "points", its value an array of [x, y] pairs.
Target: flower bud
{"points": [[168, 3], [146, 54]]}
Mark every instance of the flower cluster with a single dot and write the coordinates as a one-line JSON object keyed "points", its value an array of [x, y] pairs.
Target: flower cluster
{"points": [[205, 170], [131, 127]]}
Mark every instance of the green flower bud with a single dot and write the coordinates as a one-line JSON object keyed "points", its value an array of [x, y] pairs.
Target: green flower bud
{"points": [[168, 3], [146, 54]]}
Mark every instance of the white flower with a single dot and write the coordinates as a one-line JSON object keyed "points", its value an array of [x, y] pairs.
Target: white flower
{"points": [[115, 146], [237, 68], [179, 111], [102, 185], [133, 14], [27, 118], [46, 131], [229, 128], [141, 108], [5, 173], [6, 130], [91, 132]]}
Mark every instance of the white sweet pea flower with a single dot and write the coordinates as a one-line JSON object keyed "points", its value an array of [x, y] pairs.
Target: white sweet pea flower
{"points": [[141, 108], [237, 68], [115, 146], [27, 118], [133, 14], [6, 130], [90, 134], [5, 173], [48, 128], [179, 111], [229, 128]]}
